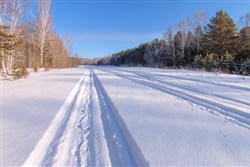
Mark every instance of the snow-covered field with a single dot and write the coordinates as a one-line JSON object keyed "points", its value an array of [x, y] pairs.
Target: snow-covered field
{"points": [[106, 116]]}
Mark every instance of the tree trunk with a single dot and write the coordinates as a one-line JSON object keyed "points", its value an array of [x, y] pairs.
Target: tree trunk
{"points": [[4, 68], [41, 54]]}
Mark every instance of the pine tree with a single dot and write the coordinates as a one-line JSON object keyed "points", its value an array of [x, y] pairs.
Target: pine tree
{"points": [[198, 34], [221, 34], [190, 48], [179, 52], [48, 57], [19, 70], [5, 44], [169, 37], [244, 47], [9, 42], [5, 39]]}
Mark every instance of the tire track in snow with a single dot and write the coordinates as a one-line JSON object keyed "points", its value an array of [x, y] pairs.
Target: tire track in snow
{"points": [[150, 76], [201, 81], [208, 82], [82, 133], [87, 131], [231, 114], [243, 105], [55, 147], [236, 102], [123, 150]]}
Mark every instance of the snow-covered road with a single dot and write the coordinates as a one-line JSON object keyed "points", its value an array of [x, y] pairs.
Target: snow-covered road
{"points": [[137, 117]]}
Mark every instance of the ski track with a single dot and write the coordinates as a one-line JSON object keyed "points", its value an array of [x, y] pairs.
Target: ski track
{"points": [[232, 110], [87, 131], [152, 76], [221, 98], [208, 82], [124, 151], [201, 81]]}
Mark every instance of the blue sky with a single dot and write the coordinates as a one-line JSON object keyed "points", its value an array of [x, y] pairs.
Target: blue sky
{"points": [[98, 28]]}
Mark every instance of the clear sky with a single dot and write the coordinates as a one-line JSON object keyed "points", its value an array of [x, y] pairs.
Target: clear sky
{"points": [[102, 27]]}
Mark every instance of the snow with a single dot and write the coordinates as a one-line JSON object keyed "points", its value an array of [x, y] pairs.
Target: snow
{"points": [[171, 131], [107, 116], [28, 107]]}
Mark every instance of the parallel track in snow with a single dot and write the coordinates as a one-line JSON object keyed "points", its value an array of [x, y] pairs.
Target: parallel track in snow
{"points": [[87, 131], [123, 150], [160, 78], [66, 136], [204, 82], [219, 97], [232, 110]]}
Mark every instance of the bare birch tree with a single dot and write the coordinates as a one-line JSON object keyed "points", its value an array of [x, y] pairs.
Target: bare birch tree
{"points": [[244, 21], [3, 15], [44, 26], [17, 11], [11, 14], [200, 18], [182, 26]]}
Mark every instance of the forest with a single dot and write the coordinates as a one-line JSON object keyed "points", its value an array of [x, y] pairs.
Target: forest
{"points": [[219, 45], [26, 43]]}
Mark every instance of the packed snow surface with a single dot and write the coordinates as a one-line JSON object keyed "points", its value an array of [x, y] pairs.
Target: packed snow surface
{"points": [[108, 116]]}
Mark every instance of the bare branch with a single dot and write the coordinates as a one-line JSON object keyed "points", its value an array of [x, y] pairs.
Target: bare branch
{"points": [[200, 18]]}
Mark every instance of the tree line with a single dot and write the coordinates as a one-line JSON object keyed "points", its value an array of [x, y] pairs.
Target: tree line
{"points": [[216, 45], [31, 44]]}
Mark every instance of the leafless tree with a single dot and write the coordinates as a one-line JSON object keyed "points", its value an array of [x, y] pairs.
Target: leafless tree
{"points": [[244, 21], [44, 25], [200, 18], [17, 11], [11, 15], [183, 26], [3, 15], [248, 19]]}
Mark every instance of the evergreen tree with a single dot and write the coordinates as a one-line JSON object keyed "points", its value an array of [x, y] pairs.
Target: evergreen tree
{"points": [[190, 49], [142, 50], [170, 48], [221, 34], [48, 57], [19, 70], [7, 43], [199, 35], [6, 39], [155, 53], [179, 52], [244, 47]]}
